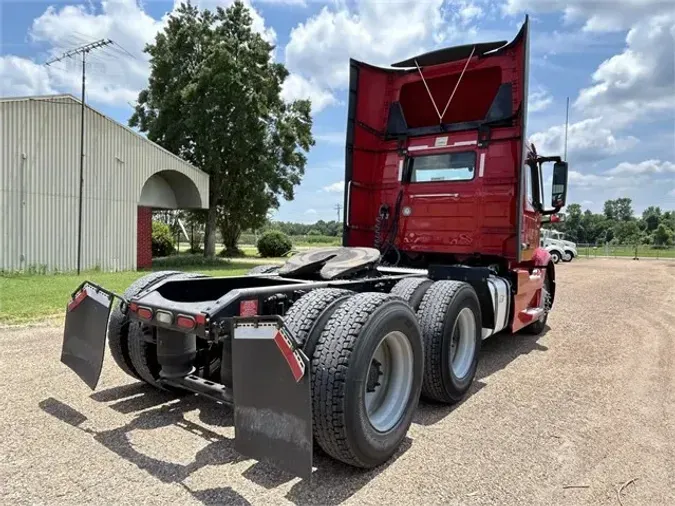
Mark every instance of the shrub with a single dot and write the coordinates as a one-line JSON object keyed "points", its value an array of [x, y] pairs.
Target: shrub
{"points": [[162, 240], [274, 244]]}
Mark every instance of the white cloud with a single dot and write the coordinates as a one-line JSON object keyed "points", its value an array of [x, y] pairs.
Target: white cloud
{"points": [[539, 100], [113, 77], [297, 87], [638, 82], [672, 192], [320, 47], [582, 180], [588, 140], [646, 167], [310, 211], [597, 15], [337, 187], [22, 77]]}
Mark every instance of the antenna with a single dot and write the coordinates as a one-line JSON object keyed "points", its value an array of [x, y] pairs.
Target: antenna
{"points": [[567, 125], [83, 50]]}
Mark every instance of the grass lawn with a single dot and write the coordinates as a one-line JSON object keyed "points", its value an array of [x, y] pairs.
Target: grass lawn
{"points": [[30, 297], [626, 251]]}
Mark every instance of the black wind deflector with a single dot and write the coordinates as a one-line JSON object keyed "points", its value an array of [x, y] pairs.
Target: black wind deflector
{"points": [[449, 54]]}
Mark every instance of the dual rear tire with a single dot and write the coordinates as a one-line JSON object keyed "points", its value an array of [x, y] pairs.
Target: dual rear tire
{"points": [[372, 357]]}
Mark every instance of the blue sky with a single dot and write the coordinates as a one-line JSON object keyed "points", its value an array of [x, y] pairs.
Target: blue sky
{"points": [[615, 60]]}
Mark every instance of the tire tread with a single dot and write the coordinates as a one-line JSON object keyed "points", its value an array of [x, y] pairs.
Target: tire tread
{"points": [[431, 316], [330, 364]]}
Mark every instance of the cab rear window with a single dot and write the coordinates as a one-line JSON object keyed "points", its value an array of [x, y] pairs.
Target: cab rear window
{"points": [[444, 167]]}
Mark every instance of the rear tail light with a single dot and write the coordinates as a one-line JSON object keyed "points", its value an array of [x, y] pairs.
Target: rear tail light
{"points": [[144, 312], [200, 319], [185, 322], [164, 317], [133, 307]]}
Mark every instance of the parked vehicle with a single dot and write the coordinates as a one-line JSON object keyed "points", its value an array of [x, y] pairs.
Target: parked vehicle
{"points": [[443, 205], [559, 248]]}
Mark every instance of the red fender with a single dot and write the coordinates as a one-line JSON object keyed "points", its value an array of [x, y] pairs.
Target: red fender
{"points": [[541, 257]]}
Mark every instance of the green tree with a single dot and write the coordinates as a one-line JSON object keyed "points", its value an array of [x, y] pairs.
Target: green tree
{"points": [[214, 99], [572, 223], [662, 236], [652, 217]]}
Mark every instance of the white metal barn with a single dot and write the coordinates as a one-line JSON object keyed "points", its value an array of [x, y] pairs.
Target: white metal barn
{"points": [[125, 177]]}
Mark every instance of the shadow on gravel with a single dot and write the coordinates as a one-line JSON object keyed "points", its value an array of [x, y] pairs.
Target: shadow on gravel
{"points": [[331, 483], [497, 352]]}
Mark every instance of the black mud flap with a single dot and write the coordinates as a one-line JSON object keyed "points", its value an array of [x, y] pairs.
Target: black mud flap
{"points": [[272, 395], [85, 331]]}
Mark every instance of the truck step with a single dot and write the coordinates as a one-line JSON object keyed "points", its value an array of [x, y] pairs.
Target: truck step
{"points": [[531, 314]]}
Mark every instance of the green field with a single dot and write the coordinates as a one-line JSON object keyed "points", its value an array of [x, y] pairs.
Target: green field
{"points": [[33, 297], [625, 251]]}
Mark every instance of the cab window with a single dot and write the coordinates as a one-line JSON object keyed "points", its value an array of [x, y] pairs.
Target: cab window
{"points": [[443, 167]]}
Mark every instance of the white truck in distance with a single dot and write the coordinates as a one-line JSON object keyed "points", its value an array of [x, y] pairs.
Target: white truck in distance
{"points": [[557, 246]]}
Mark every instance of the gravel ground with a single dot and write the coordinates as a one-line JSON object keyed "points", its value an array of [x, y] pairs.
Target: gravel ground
{"points": [[567, 417]]}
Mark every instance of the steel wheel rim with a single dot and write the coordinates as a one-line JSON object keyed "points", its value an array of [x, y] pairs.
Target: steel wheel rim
{"points": [[463, 344], [392, 367], [545, 301]]}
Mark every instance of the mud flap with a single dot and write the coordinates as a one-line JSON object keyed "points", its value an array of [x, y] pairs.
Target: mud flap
{"points": [[272, 395], [85, 332]]}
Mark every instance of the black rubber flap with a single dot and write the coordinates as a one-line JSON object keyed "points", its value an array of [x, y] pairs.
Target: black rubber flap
{"points": [[272, 398], [331, 263], [449, 54], [84, 334]]}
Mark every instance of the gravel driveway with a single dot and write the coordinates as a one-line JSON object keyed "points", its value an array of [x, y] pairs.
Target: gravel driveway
{"points": [[564, 418]]}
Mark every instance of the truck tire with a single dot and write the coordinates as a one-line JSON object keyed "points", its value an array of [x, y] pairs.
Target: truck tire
{"points": [[555, 256], [118, 324], [366, 379], [569, 256], [539, 326], [262, 269], [143, 347], [412, 290], [308, 315], [450, 319]]}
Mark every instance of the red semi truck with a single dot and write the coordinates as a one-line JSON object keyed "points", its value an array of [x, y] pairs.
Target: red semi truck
{"points": [[443, 204]]}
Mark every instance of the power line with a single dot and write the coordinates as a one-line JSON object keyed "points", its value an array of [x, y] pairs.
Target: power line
{"points": [[81, 50], [338, 208]]}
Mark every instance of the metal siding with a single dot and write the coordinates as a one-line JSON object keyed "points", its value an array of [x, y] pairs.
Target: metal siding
{"points": [[118, 162]]}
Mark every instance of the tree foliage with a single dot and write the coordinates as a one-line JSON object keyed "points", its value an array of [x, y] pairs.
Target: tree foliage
{"points": [[162, 239], [617, 224], [274, 243], [214, 99]]}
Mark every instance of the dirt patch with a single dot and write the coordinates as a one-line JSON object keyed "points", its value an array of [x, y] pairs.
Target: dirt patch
{"points": [[567, 417]]}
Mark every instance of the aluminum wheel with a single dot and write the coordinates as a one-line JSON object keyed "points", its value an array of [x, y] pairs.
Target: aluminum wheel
{"points": [[463, 344], [389, 381]]}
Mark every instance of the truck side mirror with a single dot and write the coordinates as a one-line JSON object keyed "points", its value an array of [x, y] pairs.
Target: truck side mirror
{"points": [[559, 186]]}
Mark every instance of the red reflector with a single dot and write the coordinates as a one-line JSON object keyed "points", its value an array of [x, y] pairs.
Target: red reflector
{"points": [[133, 307], [144, 312], [77, 300], [292, 357], [248, 307], [185, 322], [200, 319]]}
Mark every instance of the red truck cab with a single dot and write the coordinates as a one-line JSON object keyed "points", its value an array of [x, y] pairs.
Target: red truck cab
{"points": [[438, 167]]}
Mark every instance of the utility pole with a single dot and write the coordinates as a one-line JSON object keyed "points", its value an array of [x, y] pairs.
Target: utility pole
{"points": [[83, 50], [338, 208]]}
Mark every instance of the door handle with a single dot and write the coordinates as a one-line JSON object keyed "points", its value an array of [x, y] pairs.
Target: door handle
{"points": [[453, 195]]}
